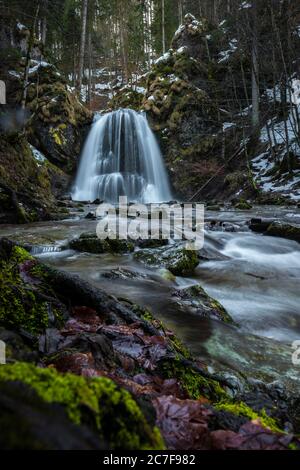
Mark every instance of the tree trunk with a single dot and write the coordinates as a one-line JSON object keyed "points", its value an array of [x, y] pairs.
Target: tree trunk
{"points": [[44, 22], [28, 58], [82, 43], [90, 68], [163, 26], [255, 73]]}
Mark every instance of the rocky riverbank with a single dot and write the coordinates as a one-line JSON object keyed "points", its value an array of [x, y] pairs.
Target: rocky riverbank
{"points": [[111, 375]]}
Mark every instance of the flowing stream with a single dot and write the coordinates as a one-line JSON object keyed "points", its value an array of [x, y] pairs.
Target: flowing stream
{"points": [[255, 277], [121, 157]]}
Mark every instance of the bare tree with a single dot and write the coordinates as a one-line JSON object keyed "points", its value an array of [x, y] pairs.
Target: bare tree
{"points": [[82, 42], [255, 70], [163, 26]]}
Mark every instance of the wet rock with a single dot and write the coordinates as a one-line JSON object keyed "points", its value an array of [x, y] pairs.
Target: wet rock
{"points": [[259, 225], [199, 302], [283, 230], [243, 205], [177, 259], [91, 216], [98, 202], [151, 243], [123, 273], [90, 243]]}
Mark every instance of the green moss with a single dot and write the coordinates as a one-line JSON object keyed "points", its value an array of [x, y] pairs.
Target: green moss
{"points": [[116, 416], [195, 384], [241, 409], [243, 205], [21, 307], [184, 264], [178, 261], [20, 255], [57, 134]]}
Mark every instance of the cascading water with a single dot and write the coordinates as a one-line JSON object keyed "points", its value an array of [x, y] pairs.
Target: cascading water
{"points": [[121, 158]]}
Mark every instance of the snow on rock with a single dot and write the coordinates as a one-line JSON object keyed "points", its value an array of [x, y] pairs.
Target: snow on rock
{"points": [[265, 177], [225, 55], [38, 156], [21, 27], [182, 50], [228, 125], [15, 74], [245, 6], [295, 91], [37, 65], [164, 58]]}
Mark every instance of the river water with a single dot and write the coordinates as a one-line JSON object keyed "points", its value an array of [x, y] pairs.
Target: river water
{"points": [[255, 277]]}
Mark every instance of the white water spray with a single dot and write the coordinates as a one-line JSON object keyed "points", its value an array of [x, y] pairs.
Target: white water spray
{"points": [[121, 158]]}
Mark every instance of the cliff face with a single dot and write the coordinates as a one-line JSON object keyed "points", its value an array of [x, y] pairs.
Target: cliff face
{"points": [[39, 146]]}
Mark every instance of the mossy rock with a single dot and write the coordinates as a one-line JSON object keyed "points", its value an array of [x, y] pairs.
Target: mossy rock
{"points": [[127, 98], [243, 205], [26, 185], [90, 243], [199, 301], [241, 409], [23, 306], [192, 381], [178, 260], [98, 403], [283, 230], [59, 121]]}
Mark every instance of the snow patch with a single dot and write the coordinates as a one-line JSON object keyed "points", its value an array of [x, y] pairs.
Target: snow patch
{"points": [[245, 5], [38, 156]]}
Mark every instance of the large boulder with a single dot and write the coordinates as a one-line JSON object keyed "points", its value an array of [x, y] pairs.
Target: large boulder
{"points": [[28, 182], [56, 121]]}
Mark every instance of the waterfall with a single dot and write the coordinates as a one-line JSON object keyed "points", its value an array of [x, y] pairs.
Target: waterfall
{"points": [[121, 158]]}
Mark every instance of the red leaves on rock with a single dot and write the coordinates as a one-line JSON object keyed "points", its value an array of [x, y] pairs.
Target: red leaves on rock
{"points": [[132, 341], [185, 426], [183, 423], [77, 363], [251, 436], [83, 319]]}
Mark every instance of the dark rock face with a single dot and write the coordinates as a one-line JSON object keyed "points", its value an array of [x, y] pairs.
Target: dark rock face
{"points": [[59, 127], [56, 121], [27, 187], [276, 229]]}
